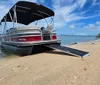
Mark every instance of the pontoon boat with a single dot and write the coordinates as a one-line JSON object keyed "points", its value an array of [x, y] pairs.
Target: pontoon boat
{"points": [[21, 40]]}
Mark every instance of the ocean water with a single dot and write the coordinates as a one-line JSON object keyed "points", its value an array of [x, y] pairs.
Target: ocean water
{"points": [[70, 39]]}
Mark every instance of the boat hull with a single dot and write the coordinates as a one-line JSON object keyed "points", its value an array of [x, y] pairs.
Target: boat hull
{"points": [[18, 50], [25, 49]]}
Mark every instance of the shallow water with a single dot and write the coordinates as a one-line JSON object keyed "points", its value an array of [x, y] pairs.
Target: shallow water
{"points": [[66, 39]]}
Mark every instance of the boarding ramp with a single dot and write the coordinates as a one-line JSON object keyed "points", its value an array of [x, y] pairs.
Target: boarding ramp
{"points": [[69, 50]]}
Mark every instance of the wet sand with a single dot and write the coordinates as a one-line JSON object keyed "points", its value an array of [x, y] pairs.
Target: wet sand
{"points": [[53, 68]]}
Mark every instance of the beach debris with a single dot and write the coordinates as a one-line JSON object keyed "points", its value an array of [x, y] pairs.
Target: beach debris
{"points": [[1, 78], [92, 42], [25, 68], [85, 69], [13, 69], [18, 66], [73, 43], [75, 77]]}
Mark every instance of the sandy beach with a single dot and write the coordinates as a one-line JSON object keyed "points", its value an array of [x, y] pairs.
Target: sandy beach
{"points": [[53, 68]]}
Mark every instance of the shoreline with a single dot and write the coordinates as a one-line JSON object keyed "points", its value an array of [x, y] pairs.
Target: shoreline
{"points": [[91, 41]]}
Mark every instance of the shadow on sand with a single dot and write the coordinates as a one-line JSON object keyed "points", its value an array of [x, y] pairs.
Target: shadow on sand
{"points": [[59, 53], [43, 49], [36, 50]]}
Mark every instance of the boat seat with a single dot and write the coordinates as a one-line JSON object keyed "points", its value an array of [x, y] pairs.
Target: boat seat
{"points": [[24, 29], [49, 27], [42, 28]]}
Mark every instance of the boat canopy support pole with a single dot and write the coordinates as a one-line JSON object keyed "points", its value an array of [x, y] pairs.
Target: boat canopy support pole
{"points": [[40, 16], [11, 17], [14, 18], [1, 25], [15, 13], [4, 26], [48, 16], [45, 14], [43, 17]]}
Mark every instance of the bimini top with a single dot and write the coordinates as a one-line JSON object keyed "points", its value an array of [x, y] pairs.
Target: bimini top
{"points": [[27, 12]]}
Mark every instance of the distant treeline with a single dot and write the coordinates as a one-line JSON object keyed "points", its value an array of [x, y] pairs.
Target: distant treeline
{"points": [[98, 36]]}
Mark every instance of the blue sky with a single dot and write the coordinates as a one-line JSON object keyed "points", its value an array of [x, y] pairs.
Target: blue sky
{"points": [[72, 17]]}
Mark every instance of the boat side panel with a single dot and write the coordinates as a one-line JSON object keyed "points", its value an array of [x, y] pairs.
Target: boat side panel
{"points": [[21, 50], [31, 43]]}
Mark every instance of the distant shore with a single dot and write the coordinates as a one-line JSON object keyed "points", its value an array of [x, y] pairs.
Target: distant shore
{"points": [[77, 35]]}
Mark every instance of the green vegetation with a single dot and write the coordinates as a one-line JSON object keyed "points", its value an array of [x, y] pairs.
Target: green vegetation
{"points": [[98, 36]]}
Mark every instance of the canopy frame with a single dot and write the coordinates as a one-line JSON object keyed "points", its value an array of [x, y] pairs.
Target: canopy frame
{"points": [[22, 12]]}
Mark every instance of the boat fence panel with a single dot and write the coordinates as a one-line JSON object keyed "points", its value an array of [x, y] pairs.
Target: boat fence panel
{"points": [[69, 50]]}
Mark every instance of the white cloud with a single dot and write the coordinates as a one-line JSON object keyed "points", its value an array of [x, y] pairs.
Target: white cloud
{"points": [[67, 1], [95, 26], [14, 1], [81, 3], [72, 26], [63, 14], [66, 14], [94, 2], [5, 10], [23, 0], [98, 23], [82, 13]]}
